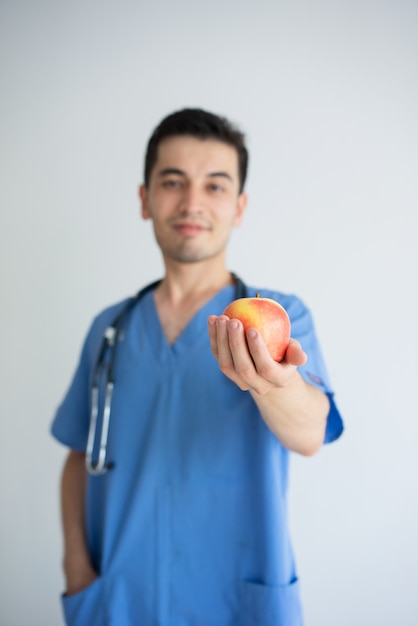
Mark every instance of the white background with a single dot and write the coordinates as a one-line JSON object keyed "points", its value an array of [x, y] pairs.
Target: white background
{"points": [[327, 93]]}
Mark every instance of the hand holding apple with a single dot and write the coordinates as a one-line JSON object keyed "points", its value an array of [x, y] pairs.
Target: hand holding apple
{"points": [[268, 317], [253, 345], [292, 409]]}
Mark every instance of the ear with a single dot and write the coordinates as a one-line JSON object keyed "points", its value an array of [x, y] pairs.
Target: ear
{"points": [[241, 206], [143, 196]]}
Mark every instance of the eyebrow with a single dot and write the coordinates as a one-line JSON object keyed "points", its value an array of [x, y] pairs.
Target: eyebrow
{"points": [[177, 172], [171, 170], [222, 174]]}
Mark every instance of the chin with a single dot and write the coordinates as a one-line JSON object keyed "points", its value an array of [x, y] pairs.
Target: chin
{"points": [[188, 255]]}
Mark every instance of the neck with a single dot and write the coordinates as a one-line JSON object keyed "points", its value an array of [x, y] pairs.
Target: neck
{"points": [[184, 290], [185, 280]]}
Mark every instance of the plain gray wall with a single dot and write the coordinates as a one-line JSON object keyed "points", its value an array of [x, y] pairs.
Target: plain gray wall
{"points": [[327, 93]]}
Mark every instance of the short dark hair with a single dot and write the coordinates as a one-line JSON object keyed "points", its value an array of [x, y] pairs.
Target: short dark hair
{"points": [[202, 125]]}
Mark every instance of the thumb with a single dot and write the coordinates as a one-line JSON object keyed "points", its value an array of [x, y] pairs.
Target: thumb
{"points": [[294, 354]]}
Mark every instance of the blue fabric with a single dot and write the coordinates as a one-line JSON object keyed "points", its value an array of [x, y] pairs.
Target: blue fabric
{"points": [[190, 527]]}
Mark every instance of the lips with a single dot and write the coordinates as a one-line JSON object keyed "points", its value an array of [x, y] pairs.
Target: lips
{"points": [[189, 228]]}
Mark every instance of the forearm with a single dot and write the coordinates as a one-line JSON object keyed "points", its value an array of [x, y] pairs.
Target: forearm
{"points": [[295, 411], [296, 414], [77, 564]]}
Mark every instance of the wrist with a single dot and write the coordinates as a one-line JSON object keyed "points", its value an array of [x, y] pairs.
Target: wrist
{"points": [[79, 573]]}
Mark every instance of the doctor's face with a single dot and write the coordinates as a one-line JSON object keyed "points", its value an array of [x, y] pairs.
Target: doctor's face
{"points": [[193, 198]]}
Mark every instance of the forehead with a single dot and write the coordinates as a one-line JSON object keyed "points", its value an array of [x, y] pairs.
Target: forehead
{"points": [[197, 156]]}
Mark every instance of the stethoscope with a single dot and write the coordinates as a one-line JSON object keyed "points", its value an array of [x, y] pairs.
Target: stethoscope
{"points": [[105, 366]]}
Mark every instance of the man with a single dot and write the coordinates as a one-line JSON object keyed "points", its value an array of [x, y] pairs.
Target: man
{"points": [[189, 526]]}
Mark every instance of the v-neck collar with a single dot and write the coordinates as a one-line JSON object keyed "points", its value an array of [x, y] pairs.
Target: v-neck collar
{"points": [[192, 331]]}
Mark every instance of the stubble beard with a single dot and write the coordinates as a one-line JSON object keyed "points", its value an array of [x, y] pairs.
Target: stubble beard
{"points": [[189, 251]]}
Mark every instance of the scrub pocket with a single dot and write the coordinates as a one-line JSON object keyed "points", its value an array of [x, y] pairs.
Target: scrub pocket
{"points": [[265, 605], [85, 608], [103, 603]]}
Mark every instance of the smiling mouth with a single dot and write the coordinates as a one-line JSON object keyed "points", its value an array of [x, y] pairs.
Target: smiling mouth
{"points": [[189, 228]]}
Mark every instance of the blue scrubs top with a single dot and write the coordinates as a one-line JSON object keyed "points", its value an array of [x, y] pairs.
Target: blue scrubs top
{"points": [[190, 527]]}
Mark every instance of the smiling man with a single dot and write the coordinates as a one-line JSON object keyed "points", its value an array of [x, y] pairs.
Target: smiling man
{"points": [[186, 525], [193, 199]]}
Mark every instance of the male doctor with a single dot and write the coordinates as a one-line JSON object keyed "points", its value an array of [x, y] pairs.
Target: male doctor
{"points": [[189, 526]]}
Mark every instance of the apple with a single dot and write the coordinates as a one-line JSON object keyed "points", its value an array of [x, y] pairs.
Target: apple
{"points": [[268, 317]]}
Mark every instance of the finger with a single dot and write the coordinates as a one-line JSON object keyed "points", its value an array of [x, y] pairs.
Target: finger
{"points": [[225, 356], [265, 366], [244, 364], [213, 335], [295, 354], [222, 345]]}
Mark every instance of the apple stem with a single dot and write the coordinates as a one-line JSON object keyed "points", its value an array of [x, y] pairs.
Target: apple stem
{"points": [[257, 295]]}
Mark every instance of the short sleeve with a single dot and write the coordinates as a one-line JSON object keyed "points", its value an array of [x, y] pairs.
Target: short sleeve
{"points": [[335, 424], [71, 422], [314, 371]]}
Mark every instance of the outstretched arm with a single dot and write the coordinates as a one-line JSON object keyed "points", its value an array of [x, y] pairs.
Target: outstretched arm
{"points": [[78, 570], [294, 411]]}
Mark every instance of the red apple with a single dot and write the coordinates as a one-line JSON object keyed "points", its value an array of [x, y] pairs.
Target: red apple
{"points": [[268, 317]]}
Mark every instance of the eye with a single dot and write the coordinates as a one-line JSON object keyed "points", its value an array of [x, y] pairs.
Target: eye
{"points": [[216, 187], [171, 183]]}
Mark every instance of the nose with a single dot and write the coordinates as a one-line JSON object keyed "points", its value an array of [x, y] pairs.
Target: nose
{"points": [[192, 200]]}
